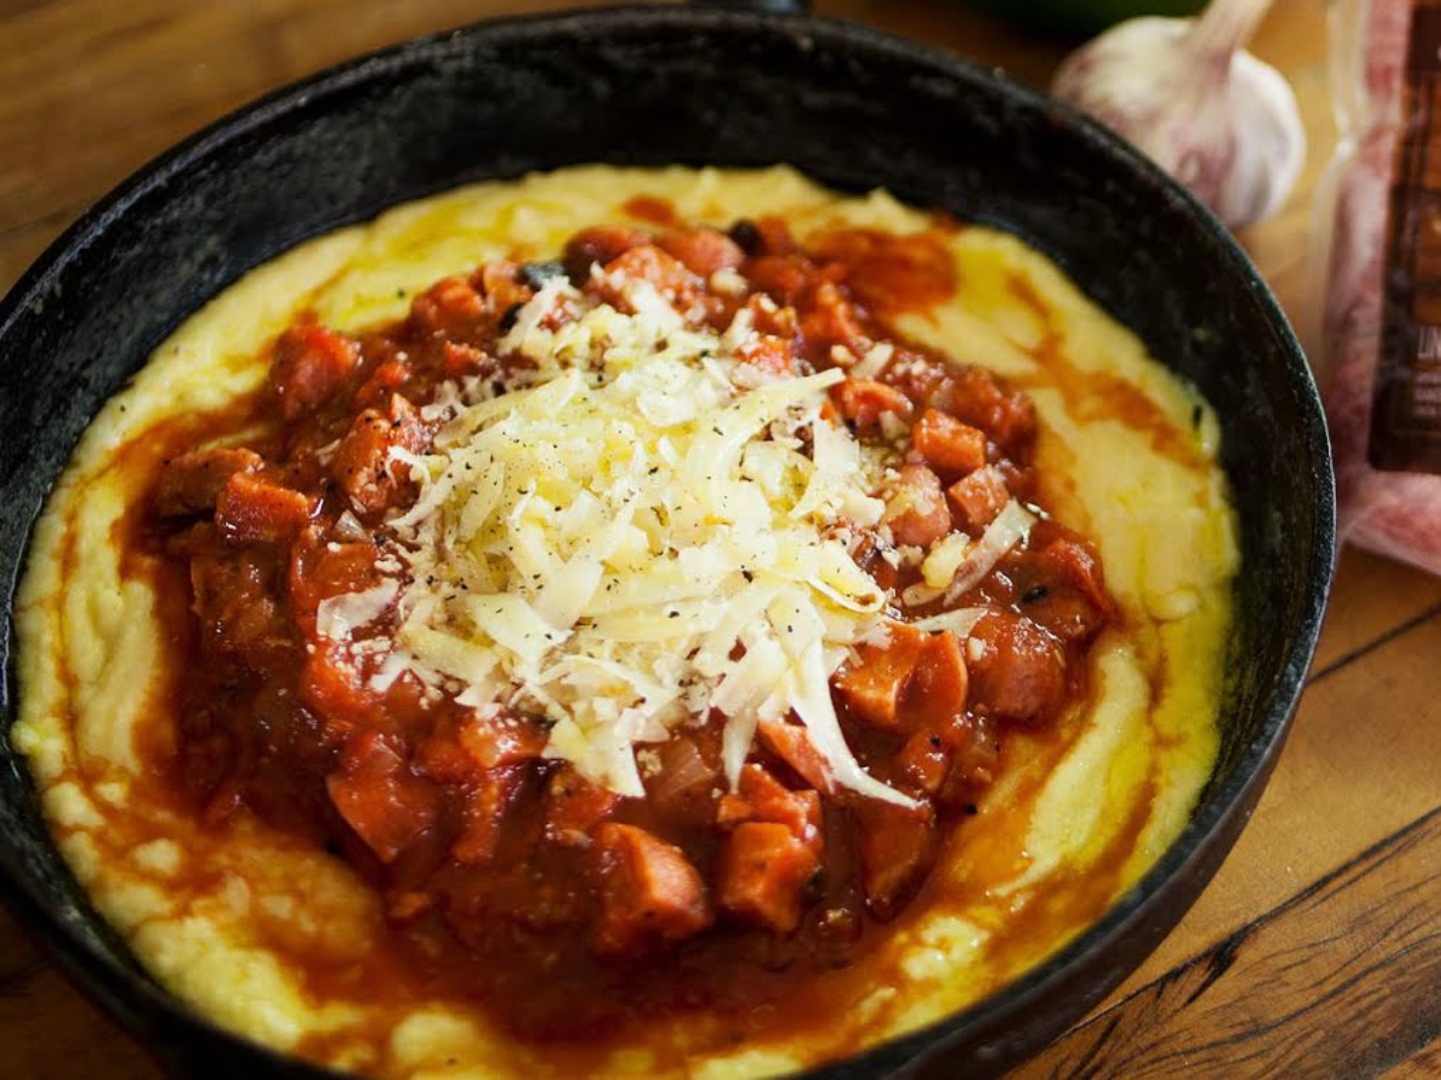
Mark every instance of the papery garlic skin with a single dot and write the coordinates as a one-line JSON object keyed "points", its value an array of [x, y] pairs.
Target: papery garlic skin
{"points": [[1224, 124]]}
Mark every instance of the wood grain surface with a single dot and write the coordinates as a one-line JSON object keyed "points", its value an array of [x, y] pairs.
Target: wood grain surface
{"points": [[1316, 951]]}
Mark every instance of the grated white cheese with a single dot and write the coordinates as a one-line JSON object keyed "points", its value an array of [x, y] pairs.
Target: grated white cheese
{"points": [[633, 537]]}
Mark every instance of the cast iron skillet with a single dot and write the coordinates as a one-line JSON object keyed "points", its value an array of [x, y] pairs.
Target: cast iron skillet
{"points": [[654, 86]]}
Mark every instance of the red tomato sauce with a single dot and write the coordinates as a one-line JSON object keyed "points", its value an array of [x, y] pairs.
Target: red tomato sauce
{"points": [[511, 879]]}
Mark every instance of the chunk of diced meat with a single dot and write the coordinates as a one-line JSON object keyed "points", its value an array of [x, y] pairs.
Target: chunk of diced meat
{"points": [[234, 602], [760, 796], [320, 570], [1066, 592], [952, 760], [677, 286], [864, 401], [916, 510], [252, 509], [792, 744], [505, 739], [975, 396], [938, 687], [781, 277], [872, 686], [574, 806], [1017, 670], [192, 482], [311, 365], [648, 892], [947, 445], [979, 497], [464, 308], [598, 246], [897, 849], [703, 251], [831, 319], [334, 687], [763, 873], [488, 798], [363, 465], [380, 799]]}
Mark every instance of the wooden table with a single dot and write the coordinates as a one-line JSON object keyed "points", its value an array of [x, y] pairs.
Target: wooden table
{"points": [[1316, 951]]}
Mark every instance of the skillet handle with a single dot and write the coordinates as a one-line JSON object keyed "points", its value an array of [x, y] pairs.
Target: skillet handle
{"points": [[773, 7]]}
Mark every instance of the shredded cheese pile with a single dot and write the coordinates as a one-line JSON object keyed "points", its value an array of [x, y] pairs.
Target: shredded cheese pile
{"points": [[646, 531]]}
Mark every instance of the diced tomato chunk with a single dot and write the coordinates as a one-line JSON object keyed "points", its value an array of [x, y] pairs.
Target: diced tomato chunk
{"points": [[311, 365], [872, 687], [505, 739], [192, 482], [333, 686], [916, 510], [763, 872], [947, 445], [252, 509], [648, 891]]}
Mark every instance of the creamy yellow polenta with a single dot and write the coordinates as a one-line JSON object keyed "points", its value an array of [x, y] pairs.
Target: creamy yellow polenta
{"points": [[1127, 454]]}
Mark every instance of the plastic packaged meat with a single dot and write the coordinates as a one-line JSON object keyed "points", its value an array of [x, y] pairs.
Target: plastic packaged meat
{"points": [[1383, 303]]}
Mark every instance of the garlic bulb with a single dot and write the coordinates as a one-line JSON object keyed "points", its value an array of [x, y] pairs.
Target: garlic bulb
{"points": [[1185, 91]]}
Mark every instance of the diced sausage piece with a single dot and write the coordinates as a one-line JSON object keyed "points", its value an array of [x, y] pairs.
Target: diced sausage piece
{"points": [[574, 806], [1018, 671], [703, 251], [897, 847], [598, 246], [781, 277], [948, 445], [951, 760], [863, 401], [362, 464], [380, 799], [872, 688], [916, 510], [938, 687], [506, 739], [334, 688], [978, 498], [761, 797], [252, 509], [679, 287], [311, 365], [793, 745], [975, 396], [648, 891], [482, 818], [769, 354], [763, 873], [191, 483], [832, 320], [236, 607], [1068, 594]]}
